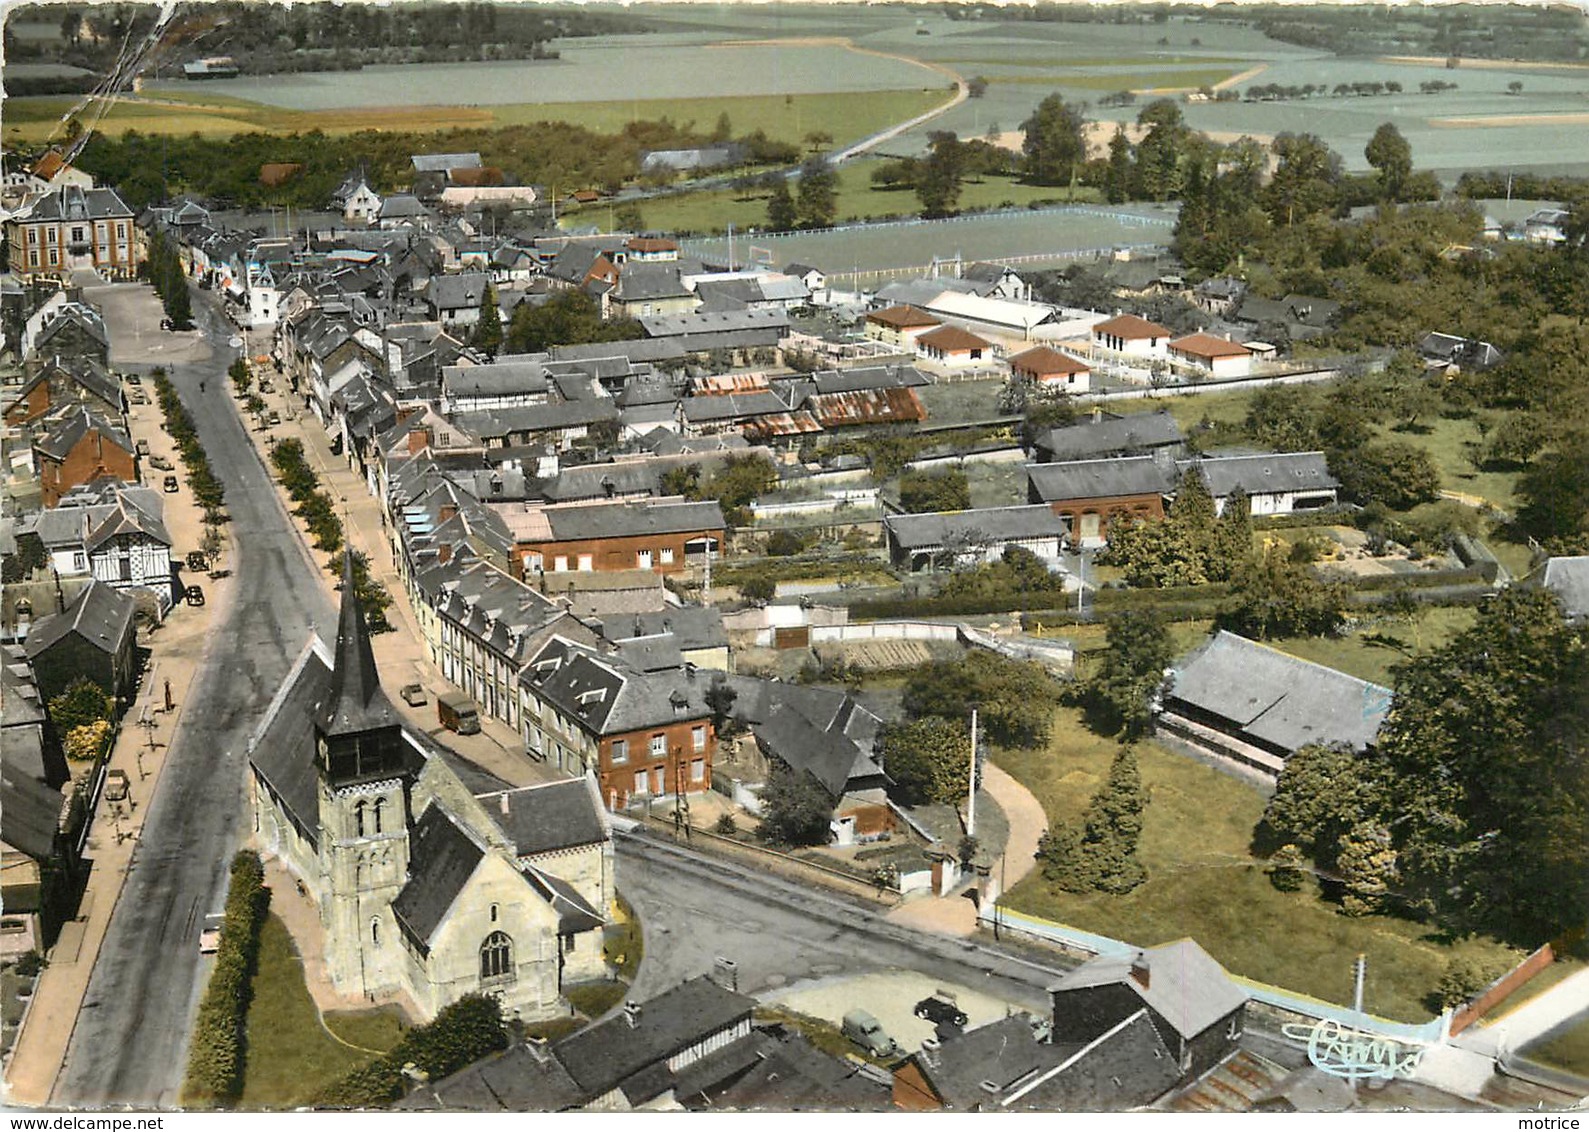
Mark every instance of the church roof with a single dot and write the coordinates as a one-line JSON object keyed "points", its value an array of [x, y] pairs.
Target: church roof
{"points": [[442, 858], [355, 702], [282, 749], [542, 819]]}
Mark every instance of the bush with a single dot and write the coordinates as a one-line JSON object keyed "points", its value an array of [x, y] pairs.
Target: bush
{"points": [[725, 825], [462, 1033], [1464, 978]]}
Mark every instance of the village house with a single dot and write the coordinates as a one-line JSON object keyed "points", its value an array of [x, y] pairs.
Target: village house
{"points": [[1132, 337], [956, 539], [1207, 355], [74, 228], [65, 382], [1275, 483], [643, 734], [504, 384], [1257, 706], [39, 865], [355, 200], [1133, 434], [952, 347], [457, 299], [66, 330], [663, 536], [111, 531], [91, 637], [1051, 369], [1090, 495], [899, 326], [432, 878], [78, 447]]}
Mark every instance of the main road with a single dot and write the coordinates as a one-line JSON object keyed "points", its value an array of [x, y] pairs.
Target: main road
{"points": [[130, 1041]]}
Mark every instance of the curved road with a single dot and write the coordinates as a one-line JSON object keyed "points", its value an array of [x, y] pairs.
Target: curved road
{"points": [[130, 1042]]}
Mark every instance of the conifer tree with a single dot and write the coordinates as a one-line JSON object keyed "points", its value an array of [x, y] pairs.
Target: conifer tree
{"points": [[488, 331]]}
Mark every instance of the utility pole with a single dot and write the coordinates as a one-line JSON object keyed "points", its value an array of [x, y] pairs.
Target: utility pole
{"points": [[971, 799]]}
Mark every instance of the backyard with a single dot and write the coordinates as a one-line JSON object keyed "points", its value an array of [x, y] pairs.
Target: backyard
{"points": [[1203, 882]]}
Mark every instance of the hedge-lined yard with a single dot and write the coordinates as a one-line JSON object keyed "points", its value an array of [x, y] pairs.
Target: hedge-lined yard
{"points": [[216, 1057], [463, 1032]]}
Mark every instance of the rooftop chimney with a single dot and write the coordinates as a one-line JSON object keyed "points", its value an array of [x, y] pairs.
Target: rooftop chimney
{"points": [[631, 1014], [503, 802], [1139, 968], [725, 973], [419, 439]]}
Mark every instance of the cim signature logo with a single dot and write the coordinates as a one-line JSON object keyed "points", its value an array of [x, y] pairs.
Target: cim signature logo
{"points": [[1352, 1054]]}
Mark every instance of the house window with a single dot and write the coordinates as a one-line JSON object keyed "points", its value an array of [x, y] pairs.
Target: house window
{"points": [[659, 746], [643, 559], [639, 782], [124, 568], [667, 556], [698, 770], [121, 231], [33, 258], [77, 234], [496, 957], [620, 751], [54, 258], [560, 564], [698, 738], [79, 560], [587, 563]]}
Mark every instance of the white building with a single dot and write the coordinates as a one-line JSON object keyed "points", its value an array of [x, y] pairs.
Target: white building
{"points": [[1132, 337], [1211, 356]]}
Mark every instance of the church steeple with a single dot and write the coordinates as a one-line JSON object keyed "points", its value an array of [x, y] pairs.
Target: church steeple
{"points": [[359, 730]]}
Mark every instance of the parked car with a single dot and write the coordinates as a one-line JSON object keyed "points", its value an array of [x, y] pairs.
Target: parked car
{"points": [[414, 695], [867, 1032], [272, 418], [139, 397], [116, 786], [134, 379], [210, 934], [142, 448], [198, 560], [265, 386], [166, 324], [940, 1009], [160, 463], [194, 595], [170, 485]]}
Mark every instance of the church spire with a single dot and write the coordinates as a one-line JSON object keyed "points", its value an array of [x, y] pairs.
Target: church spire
{"points": [[355, 702]]}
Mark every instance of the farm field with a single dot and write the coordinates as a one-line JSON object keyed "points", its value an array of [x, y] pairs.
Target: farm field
{"points": [[1204, 883], [892, 249], [783, 117]]}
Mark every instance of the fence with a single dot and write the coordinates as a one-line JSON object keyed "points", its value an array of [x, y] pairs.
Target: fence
{"points": [[1501, 989], [886, 631], [1087, 945]]}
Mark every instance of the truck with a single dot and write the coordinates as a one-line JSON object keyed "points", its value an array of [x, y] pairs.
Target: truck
{"points": [[456, 712]]}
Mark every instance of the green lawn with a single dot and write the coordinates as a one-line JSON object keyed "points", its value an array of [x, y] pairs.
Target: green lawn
{"points": [[1447, 441], [290, 1056], [714, 210], [1204, 883], [1356, 654], [1568, 1049]]}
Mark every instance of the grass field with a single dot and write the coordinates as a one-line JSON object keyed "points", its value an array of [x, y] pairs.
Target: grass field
{"points": [[1358, 656], [290, 1056], [1204, 883], [1566, 1049], [1183, 79], [847, 117]]}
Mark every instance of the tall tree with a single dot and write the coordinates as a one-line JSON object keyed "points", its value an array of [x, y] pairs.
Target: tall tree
{"points": [[1114, 826], [939, 175], [488, 331], [1160, 150], [782, 215], [1271, 596], [1055, 142], [1391, 156], [1306, 180], [796, 810], [1118, 176], [928, 759], [1131, 672], [1324, 791], [818, 200]]}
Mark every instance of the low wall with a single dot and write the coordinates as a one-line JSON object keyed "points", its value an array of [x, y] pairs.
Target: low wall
{"points": [[885, 631]]}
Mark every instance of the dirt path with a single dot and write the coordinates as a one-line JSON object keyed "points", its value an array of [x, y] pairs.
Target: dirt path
{"points": [[1481, 64], [1503, 121], [1246, 76]]}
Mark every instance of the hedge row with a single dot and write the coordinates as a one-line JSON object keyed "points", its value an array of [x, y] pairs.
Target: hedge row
{"points": [[1422, 579], [462, 1033], [208, 492], [215, 1060]]}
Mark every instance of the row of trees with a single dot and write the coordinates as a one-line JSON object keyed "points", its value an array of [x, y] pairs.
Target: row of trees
{"points": [[1473, 807], [813, 204], [163, 268], [318, 511], [208, 491], [217, 1055]]}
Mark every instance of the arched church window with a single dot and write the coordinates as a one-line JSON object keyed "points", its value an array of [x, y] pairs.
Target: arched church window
{"points": [[358, 819], [496, 956], [380, 804], [375, 931]]}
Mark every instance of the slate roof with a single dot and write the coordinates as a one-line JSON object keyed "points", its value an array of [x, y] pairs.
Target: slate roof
{"points": [[607, 696], [1264, 473], [858, 378], [74, 203], [68, 430], [457, 292], [1186, 986], [830, 756], [100, 614], [32, 813], [690, 627], [732, 406], [496, 424], [1099, 479], [1130, 327], [526, 1078], [1133, 432], [574, 913], [281, 750], [1569, 578], [622, 520], [546, 818], [686, 325], [1000, 1053], [497, 379], [444, 162], [1280, 699], [1469, 352], [354, 702], [606, 1055], [981, 527], [442, 858], [789, 1074], [639, 282]]}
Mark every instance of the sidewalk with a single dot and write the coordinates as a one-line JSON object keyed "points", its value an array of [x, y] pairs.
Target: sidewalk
{"points": [[42, 1043], [1567, 1000], [400, 655]]}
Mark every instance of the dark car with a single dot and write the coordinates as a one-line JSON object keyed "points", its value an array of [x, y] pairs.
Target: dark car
{"points": [[941, 1010], [195, 595], [198, 560]]}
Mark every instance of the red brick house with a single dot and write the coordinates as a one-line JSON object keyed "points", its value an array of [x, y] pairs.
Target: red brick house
{"points": [[646, 731], [664, 537], [79, 448], [1089, 495]]}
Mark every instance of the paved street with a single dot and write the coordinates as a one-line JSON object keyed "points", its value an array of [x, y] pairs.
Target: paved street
{"points": [[129, 1045], [695, 908]]}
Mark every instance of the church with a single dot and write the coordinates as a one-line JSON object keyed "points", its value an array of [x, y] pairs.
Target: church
{"points": [[433, 878]]}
